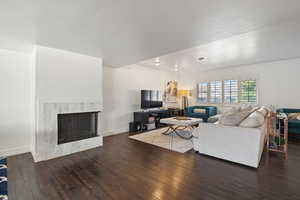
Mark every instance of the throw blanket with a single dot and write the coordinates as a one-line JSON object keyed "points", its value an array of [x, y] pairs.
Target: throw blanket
{"points": [[3, 179]]}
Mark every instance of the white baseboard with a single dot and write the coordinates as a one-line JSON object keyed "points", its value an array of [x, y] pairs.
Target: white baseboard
{"points": [[14, 151], [114, 131], [27, 149]]}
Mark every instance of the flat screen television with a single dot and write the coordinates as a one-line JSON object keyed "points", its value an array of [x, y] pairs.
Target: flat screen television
{"points": [[151, 99]]}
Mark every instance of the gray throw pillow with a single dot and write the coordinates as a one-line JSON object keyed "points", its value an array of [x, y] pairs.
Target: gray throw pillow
{"points": [[214, 118], [234, 119], [254, 120]]}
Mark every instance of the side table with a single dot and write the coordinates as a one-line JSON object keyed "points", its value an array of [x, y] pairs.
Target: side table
{"points": [[277, 139]]}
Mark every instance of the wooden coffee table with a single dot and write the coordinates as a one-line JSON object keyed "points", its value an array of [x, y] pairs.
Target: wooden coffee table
{"points": [[175, 124]]}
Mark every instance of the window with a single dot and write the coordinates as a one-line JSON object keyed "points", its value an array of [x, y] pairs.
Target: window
{"points": [[228, 91], [203, 92], [248, 91], [215, 92], [231, 91]]}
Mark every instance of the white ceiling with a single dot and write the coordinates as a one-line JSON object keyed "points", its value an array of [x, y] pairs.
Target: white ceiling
{"points": [[124, 32], [264, 45]]}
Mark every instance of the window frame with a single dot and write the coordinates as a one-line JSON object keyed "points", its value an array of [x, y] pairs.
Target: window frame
{"points": [[199, 91], [248, 96], [216, 87], [239, 91], [231, 91]]}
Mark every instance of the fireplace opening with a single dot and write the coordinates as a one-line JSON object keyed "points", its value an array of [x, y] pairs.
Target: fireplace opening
{"points": [[76, 126]]}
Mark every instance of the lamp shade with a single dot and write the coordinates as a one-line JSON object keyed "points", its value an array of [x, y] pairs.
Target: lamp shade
{"points": [[184, 93]]}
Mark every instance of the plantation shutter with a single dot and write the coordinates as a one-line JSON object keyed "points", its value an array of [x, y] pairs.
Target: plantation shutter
{"points": [[203, 92], [231, 91], [215, 92], [248, 93]]}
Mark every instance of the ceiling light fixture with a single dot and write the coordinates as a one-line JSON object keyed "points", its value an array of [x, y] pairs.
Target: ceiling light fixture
{"points": [[157, 61], [200, 59], [176, 68]]}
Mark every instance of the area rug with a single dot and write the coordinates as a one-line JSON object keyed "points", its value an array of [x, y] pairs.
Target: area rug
{"points": [[3, 179], [171, 142]]}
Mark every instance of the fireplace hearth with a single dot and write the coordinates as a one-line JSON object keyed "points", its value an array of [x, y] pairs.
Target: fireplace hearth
{"points": [[76, 126]]}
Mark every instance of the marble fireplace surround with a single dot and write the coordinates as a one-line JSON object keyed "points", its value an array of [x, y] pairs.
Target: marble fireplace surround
{"points": [[45, 143]]}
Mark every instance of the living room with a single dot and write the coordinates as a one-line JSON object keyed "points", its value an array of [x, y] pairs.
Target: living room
{"points": [[149, 100]]}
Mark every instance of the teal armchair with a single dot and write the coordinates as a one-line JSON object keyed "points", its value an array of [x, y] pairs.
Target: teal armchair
{"points": [[293, 125], [210, 111]]}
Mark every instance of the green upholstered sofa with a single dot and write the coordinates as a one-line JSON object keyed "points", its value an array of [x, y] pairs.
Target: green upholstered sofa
{"points": [[210, 111], [293, 125]]}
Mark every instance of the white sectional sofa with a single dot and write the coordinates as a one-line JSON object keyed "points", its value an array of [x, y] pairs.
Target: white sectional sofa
{"points": [[232, 143]]}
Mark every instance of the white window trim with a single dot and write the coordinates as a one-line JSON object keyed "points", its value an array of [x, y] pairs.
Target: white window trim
{"points": [[223, 103]]}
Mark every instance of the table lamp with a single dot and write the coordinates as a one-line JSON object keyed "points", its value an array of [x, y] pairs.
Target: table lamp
{"points": [[184, 95]]}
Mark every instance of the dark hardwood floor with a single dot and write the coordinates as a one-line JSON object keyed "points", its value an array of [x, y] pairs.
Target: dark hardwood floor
{"points": [[128, 169]]}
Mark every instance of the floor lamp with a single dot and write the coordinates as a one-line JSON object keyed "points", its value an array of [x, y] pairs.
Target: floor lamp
{"points": [[184, 98]]}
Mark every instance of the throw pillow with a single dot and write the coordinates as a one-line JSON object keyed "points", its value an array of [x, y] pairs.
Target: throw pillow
{"points": [[234, 119], [294, 116], [254, 120], [214, 118], [199, 110], [255, 109], [263, 110]]}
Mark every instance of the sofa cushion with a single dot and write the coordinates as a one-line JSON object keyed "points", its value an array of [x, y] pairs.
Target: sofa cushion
{"points": [[294, 123], [199, 110], [263, 110], [197, 115], [288, 110], [229, 110], [294, 131], [294, 116], [245, 107], [254, 120], [234, 119]]}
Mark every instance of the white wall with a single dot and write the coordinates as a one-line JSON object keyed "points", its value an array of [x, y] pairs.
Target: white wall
{"points": [[16, 102], [67, 76], [47, 73], [121, 89], [278, 82]]}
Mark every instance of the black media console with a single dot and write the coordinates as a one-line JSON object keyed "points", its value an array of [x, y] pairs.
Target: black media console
{"points": [[142, 118]]}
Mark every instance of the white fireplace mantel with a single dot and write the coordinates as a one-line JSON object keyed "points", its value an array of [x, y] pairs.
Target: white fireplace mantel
{"points": [[46, 137]]}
